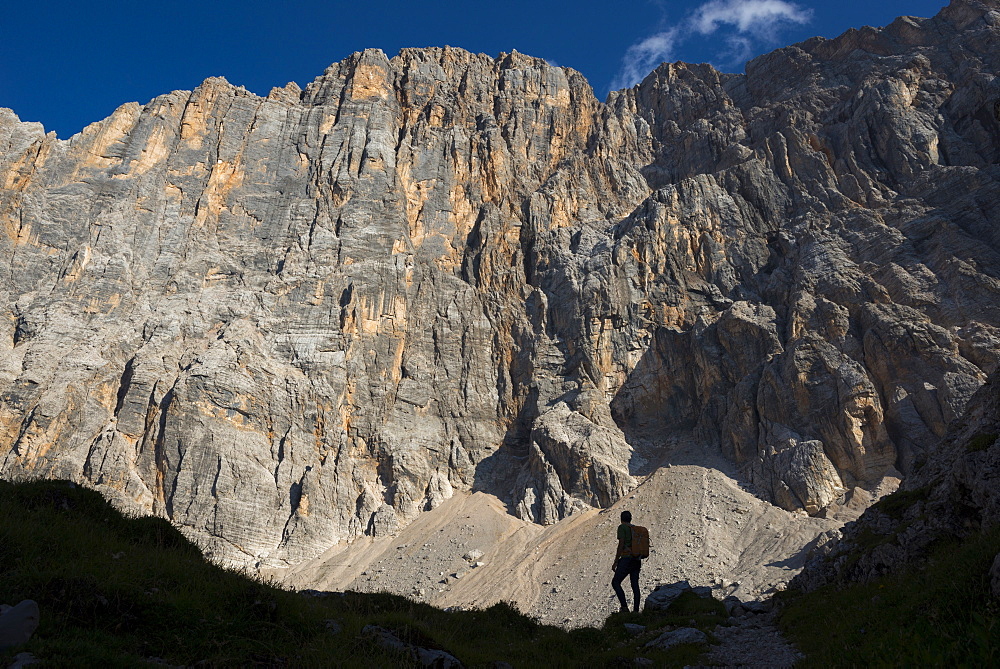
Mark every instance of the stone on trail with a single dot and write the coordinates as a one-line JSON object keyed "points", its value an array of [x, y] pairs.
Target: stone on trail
{"points": [[758, 606], [663, 595], [438, 659], [734, 606], [676, 637]]}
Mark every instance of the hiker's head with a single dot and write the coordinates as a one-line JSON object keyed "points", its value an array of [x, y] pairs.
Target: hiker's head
{"points": [[626, 516]]}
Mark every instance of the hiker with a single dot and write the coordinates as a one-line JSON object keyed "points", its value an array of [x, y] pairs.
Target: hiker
{"points": [[627, 562]]}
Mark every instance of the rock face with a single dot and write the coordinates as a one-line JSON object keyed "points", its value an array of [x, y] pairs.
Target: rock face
{"points": [[284, 322], [952, 495]]}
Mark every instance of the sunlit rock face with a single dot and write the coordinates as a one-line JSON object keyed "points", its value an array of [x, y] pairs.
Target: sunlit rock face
{"points": [[284, 322]]}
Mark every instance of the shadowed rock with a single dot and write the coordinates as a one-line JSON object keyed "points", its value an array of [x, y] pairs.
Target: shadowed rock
{"points": [[18, 623]]}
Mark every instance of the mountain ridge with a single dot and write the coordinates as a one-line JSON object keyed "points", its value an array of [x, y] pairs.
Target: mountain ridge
{"points": [[287, 321]]}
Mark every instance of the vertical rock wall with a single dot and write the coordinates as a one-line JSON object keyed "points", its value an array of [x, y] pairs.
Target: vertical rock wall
{"points": [[283, 322]]}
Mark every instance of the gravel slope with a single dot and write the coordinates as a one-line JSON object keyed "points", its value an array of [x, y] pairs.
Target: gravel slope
{"points": [[469, 551]]}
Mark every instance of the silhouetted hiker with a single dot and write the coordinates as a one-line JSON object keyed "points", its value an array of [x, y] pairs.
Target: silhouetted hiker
{"points": [[626, 564]]}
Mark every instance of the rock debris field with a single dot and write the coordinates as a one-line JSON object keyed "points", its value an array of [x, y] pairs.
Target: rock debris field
{"points": [[469, 552]]}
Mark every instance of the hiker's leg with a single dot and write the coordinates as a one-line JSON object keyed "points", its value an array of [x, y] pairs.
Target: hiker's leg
{"points": [[634, 577], [620, 573]]}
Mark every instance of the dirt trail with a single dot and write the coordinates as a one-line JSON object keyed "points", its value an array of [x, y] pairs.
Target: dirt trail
{"points": [[754, 641], [703, 526]]}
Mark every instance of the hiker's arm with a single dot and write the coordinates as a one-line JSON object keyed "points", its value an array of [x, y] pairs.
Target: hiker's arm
{"points": [[621, 547]]}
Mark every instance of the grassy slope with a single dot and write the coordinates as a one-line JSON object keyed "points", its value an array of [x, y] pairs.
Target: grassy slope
{"points": [[940, 615], [118, 591]]}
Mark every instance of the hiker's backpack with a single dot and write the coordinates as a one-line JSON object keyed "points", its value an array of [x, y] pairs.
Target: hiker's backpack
{"points": [[640, 542]]}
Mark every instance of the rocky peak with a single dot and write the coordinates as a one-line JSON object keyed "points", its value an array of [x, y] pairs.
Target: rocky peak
{"points": [[286, 322]]}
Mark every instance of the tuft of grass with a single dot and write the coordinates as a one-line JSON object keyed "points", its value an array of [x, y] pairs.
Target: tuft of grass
{"points": [[980, 442], [896, 504], [117, 591], [941, 615]]}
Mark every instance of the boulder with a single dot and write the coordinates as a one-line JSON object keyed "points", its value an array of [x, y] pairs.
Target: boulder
{"points": [[574, 464], [438, 659], [758, 606], [18, 623], [734, 607], [676, 637], [426, 657], [702, 591], [663, 595]]}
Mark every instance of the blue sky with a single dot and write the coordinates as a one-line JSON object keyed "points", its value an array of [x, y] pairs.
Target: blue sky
{"points": [[69, 64]]}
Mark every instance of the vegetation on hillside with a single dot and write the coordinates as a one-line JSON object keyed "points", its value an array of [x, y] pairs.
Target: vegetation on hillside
{"points": [[125, 592], [940, 614]]}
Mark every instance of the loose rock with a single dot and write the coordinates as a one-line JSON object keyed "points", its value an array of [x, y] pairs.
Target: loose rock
{"points": [[678, 636], [427, 657], [18, 623]]}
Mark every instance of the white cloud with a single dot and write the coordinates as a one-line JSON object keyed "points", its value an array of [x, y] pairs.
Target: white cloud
{"points": [[642, 57], [743, 24], [753, 17]]}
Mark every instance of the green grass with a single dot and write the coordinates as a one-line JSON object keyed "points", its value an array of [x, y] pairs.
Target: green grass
{"points": [[896, 504], [942, 615], [117, 591]]}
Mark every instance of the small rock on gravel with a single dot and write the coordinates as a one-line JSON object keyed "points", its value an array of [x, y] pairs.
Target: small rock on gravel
{"points": [[676, 637]]}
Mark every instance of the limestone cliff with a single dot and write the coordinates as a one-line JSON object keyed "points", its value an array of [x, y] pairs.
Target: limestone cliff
{"points": [[284, 322], [952, 496]]}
